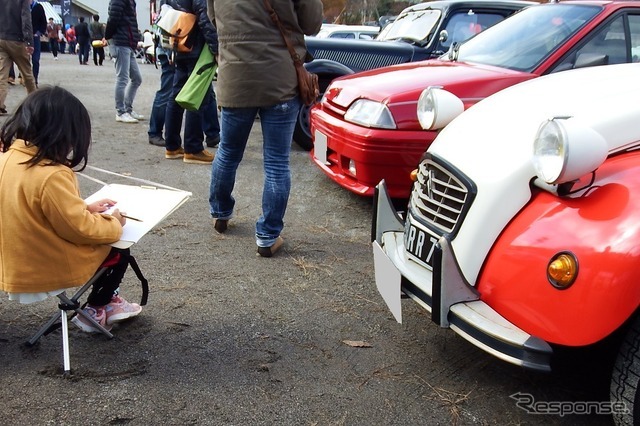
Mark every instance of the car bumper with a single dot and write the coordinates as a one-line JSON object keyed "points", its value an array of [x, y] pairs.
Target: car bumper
{"points": [[376, 154], [452, 302]]}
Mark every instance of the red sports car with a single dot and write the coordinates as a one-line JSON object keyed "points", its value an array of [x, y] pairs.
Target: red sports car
{"points": [[366, 128]]}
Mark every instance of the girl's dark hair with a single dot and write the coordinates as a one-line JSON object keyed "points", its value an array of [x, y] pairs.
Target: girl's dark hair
{"points": [[55, 121]]}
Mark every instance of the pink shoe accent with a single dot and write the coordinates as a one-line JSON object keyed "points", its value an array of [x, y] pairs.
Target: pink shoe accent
{"points": [[120, 310]]}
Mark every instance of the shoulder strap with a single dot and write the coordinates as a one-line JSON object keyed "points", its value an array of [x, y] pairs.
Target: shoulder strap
{"points": [[274, 17]]}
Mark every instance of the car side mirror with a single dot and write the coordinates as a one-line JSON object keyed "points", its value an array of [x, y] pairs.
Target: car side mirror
{"points": [[444, 36]]}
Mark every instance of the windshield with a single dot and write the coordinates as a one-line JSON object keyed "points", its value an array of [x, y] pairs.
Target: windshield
{"points": [[527, 38], [414, 25]]}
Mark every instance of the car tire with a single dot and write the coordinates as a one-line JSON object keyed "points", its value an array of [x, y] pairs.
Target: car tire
{"points": [[302, 132], [625, 378]]}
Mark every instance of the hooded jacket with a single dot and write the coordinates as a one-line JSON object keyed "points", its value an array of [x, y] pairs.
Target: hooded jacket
{"points": [[254, 65], [122, 25]]}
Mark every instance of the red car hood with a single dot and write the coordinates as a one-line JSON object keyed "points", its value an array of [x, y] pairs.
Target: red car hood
{"points": [[403, 83]]}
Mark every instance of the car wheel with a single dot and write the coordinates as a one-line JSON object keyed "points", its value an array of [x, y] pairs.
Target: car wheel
{"points": [[302, 132], [626, 377]]}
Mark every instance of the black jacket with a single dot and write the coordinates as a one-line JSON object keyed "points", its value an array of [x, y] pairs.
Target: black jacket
{"points": [[203, 32], [82, 32], [122, 25], [38, 19]]}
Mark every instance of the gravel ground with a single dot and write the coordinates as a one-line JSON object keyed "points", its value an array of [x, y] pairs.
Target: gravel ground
{"points": [[229, 338]]}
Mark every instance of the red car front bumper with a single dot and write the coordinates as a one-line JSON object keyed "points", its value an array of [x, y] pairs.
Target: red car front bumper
{"points": [[375, 154]]}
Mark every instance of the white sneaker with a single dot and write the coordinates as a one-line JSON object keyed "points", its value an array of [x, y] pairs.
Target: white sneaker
{"points": [[136, 115], [125, 118]]}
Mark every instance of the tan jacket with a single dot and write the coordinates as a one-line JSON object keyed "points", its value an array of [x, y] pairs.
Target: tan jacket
{"points": [[254, 65], [48, 238]]}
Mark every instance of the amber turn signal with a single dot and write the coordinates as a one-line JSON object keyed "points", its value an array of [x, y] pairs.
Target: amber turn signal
{"points": [[414, 175], [562, 270]]}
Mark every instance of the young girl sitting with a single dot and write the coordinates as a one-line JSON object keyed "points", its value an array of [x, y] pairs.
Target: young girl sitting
{"points": [[50, 239]]}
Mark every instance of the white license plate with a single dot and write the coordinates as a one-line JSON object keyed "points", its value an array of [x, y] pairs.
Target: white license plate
{"points": [[419, 243], [388, 280], [320, 147]]}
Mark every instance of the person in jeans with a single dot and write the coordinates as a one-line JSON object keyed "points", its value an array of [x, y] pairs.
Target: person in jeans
{"points": [[39, 25], [208, 112], [123, 35], [203, 36], [256, 75], [83, 36], [16, 46]]}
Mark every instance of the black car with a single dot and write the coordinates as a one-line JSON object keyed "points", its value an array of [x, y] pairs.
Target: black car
{"points": [[423, 31]]}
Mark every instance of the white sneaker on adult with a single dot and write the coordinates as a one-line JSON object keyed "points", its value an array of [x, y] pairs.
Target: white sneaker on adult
{"points": [[125, 118], [136, 115]]}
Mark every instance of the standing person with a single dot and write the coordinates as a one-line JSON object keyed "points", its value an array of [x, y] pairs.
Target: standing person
{"points": [[44, 215], [208, 112], [83, 37], [204, 37], [123, 33], [39, 25], [52, 33], [162, 97], [70, 37], [256, 75], [97, 35], [16, 44]]}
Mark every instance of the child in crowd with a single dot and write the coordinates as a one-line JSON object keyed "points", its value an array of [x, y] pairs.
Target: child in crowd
{"points": [[50, 239]]}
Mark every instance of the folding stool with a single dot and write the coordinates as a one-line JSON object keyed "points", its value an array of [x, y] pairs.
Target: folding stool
{"points": [[73, 304]]}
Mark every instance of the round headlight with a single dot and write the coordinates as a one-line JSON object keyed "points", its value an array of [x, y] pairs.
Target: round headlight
{"points": [[437, 108], [564, 150], [549, 151]]}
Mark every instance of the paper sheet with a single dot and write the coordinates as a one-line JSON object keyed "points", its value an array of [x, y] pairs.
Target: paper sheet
{"points": [[149, 204]]}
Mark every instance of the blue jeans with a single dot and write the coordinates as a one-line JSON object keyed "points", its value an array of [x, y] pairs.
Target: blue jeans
{"points": [[35, 57], [163, 96], [128, 77], [83, 52], [278, 122], [209, 116], [193, 125]]}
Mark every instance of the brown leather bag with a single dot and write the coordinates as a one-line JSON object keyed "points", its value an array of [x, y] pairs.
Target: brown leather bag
{"points": [[307, 81]]}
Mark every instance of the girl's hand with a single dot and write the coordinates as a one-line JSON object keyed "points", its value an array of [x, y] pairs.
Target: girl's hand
{"points": [[117, 215], [101, 205]]}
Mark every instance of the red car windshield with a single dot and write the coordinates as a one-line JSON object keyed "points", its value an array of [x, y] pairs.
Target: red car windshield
{"points": [[524, 40]]}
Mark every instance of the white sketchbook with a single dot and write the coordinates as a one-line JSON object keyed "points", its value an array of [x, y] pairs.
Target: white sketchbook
{"points": [[149, 204]]}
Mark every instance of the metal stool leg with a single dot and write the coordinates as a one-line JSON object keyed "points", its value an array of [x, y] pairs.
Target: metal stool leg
{"points": [[66, 359]]}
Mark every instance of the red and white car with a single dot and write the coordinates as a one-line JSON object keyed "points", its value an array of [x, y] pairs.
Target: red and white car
{"points": [[522, 233], [366, 129]]}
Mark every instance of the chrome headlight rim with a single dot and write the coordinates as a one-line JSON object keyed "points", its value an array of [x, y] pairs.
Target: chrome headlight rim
{"points": [[565, 149], [437, 107]]}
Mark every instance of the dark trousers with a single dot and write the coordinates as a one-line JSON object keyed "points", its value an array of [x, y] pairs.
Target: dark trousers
{"points": [[193, 128], [83, 51], [53, 45], [109, 282], [98, 55]]}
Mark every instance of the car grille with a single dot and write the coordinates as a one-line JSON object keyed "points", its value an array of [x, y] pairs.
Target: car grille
{"points": [[360, 61], [439, 197]]}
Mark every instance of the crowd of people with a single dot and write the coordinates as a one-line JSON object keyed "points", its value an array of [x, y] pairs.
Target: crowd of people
{"points": [[256, 79]]}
